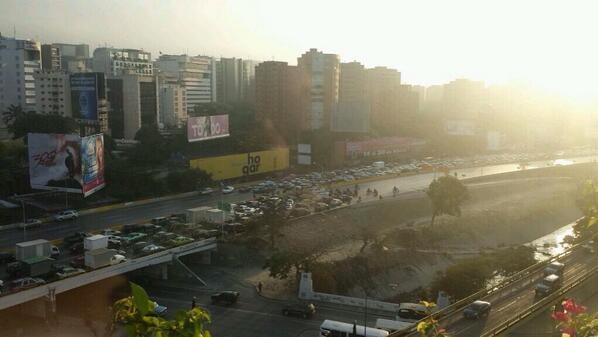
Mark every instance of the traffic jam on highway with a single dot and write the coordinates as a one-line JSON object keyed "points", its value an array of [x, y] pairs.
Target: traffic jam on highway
{"points": [[39, 261]]}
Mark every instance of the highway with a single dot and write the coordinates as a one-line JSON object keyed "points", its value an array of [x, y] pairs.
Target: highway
{"points": [[514, 299], [131, 214]]}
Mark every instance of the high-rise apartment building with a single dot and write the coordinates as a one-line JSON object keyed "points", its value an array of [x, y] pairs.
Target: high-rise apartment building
{"points": [[115, 62], [463, 98], [235, 80], [133, 103], [50, 58], [53, 93], [352, 114], [19, 61], [229, 72], [193, 73], [276, 99], [173, 105], [319, 93], [383, 86]]}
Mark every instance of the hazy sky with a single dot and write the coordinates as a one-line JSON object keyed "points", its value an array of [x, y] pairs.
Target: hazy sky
{"points": [[551, 44]]}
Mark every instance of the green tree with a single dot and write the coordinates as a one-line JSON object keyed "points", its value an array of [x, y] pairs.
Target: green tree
{"points": [[187, 180], [273, 220], [282, 262], [136, 314], [151, 149], [464, 278], [13, 156], [587, 202], [11, 113], [446, 193], [24, 123]]}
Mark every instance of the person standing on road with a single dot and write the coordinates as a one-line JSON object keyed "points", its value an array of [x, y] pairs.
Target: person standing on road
{"points": [[193, 303], [259, 287]]}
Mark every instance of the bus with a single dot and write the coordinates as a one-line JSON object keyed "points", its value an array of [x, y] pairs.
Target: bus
{"points": [[392, 325], [339, 329]]}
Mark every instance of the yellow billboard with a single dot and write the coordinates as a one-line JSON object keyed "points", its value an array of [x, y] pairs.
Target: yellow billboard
{"points": [[244, 164]]}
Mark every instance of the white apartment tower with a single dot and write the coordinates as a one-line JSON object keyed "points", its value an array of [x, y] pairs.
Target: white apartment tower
{"points": [[53, 93], [195, 74]]}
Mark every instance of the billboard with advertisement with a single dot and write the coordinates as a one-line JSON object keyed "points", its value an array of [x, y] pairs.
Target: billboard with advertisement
{"points": [[243, 164], [54, 162], [381, 146], [66, 162], [459, 127], [207, 127], [84, 96], [92, 164]]}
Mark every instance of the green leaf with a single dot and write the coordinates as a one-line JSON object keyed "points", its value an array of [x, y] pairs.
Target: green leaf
{"points": [[140, 299]]}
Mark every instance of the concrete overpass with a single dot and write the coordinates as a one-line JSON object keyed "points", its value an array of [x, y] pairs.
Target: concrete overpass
{"points": [[50, 290]]}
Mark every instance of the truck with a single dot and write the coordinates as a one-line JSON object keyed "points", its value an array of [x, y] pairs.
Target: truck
{"points": [[35, 248], [95, 242], [196, 215], [215, 215], [37, 266], [98, 258]]}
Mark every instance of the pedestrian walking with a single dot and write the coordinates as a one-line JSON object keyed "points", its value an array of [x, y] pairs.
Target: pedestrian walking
{"points": [[259, 287]]}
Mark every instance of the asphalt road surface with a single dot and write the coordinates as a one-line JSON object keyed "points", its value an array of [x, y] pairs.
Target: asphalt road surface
{"points": [[518, 300], [109, 218]]}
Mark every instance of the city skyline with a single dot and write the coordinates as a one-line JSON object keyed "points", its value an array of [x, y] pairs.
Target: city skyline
{"points": [[490, 41]]}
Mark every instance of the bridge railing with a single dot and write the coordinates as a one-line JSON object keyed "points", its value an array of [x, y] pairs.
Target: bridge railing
{"points": [[508, 282], [539, 305]]}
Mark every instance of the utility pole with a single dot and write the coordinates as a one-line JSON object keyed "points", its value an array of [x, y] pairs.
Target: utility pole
{"points": [[24, 221]]}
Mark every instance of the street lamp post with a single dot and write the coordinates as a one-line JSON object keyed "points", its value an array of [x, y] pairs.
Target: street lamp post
{"points": [[24, 221]]}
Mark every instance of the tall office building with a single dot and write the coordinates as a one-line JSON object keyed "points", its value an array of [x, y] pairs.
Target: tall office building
{"points": [[276, 99], [248, 81], [193, 73], [50, 58], [19, 61], [353, 110], [115, 62], [383, 85], [319, 80], [229, 72], [53, 93], [463, 98], [133, 102]]}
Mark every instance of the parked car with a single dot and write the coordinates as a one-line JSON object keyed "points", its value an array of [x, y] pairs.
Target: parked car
{"points": [[26, 283], [206, 191], [179, 241], [244, 189], [110, 232], [304, 310], [15, 269], [6, 257], [30, 223], [227, 297], [152, 248], [54, 252], [68, 214], [130, 228], [228, 189], [78, 262], [132, 238], [75, 238], [477, 309], [77, 248], [69, 272], [117, 258]]}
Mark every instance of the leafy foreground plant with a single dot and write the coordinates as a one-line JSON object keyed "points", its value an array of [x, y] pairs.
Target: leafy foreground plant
{"points": [[429, 327], [136, 313], [573, 321]]}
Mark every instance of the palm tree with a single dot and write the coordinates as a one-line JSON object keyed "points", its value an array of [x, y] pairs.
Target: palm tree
{"points": [[11, 114]]}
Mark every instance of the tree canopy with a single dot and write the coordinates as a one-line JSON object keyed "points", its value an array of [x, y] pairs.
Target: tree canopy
{"points": [[20, 123], [447, 193]]}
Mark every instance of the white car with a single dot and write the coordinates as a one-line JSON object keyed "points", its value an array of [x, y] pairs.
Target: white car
{"points": [[68, 214], [206, 191], [117, 258], [227, 189], [68, 272], [152, 248], [30, 223]]}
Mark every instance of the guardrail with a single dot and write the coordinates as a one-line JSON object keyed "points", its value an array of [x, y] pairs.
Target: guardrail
{"points": [[519, 276], [539, 305]]}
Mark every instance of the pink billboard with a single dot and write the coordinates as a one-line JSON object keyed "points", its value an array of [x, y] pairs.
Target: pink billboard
{"points": [[207, 127]]}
